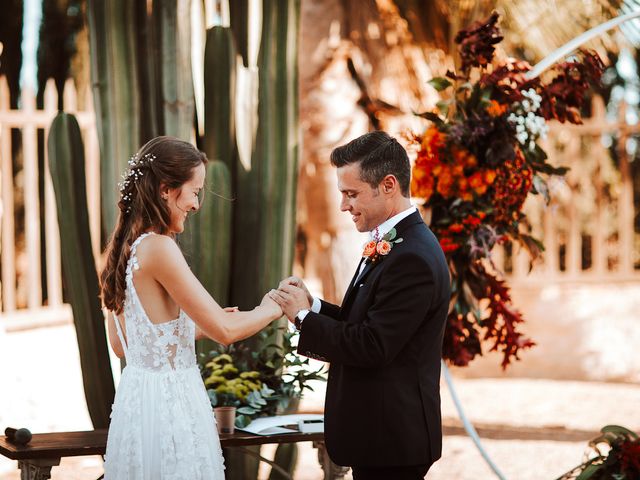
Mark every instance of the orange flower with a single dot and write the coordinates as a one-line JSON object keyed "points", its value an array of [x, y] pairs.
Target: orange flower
{"points": [[456, 228], [383, 247], [476, 181], [470, 161], [495, 109], [490, 176], [369, 249], [444, 185], [433, 139]]}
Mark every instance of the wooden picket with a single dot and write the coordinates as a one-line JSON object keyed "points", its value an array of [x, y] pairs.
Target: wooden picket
{"points": [[21, 270]]}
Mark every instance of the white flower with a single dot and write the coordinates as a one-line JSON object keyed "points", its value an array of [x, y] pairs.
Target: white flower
{"points": [[522, 137]]}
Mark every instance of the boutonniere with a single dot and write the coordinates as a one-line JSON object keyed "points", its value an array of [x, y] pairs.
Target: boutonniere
{"points": [[376, 250]]}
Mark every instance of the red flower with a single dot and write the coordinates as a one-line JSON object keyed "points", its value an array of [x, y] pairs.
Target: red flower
{"points": [[630, 457]]}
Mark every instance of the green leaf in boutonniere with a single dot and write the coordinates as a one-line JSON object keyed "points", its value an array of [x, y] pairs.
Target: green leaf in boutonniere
{"points": [[391, 237]]}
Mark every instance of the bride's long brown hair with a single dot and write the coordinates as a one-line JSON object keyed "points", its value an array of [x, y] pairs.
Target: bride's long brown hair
{"points": [[161, 162]]}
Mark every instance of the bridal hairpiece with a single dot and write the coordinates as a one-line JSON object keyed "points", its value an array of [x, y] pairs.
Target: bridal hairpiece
{"points": [[133, 174]]}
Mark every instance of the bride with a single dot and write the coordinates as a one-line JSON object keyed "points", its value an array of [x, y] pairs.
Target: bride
{"points": [[162, 426]]}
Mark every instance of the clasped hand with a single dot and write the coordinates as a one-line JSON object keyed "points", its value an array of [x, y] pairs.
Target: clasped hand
{"points": [[292, 295]]}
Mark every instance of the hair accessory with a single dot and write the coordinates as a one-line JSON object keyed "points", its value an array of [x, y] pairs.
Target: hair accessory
{"points": [[133, 174]]}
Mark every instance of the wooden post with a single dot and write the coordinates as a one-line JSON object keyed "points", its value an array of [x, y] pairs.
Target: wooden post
{"points": [[598, 250], [92, 164], [52, 237], [573, 257], [7, 239], [31, 200], [625, 201]]}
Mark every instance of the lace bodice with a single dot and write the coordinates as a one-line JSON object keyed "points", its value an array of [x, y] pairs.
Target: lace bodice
{"points": [[159, 347]]}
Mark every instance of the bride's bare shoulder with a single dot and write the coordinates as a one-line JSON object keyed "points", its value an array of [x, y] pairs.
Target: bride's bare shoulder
{"points": [[158, 249]]}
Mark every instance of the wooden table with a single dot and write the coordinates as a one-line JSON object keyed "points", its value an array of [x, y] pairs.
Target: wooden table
{"points": [[45, 450]]}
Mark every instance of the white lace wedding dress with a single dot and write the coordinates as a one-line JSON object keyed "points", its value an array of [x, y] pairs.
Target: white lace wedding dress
{"points": [[162, 426]]}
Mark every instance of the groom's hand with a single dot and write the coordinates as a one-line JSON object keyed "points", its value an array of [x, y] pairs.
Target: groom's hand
{"points": [[297, 282], [291, 299]]}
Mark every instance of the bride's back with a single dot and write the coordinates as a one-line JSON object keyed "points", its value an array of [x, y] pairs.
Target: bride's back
{"points": [[164, 345]]}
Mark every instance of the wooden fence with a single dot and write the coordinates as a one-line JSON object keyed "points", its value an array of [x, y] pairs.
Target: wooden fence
{"points": [[21, 296], [588, 227]]}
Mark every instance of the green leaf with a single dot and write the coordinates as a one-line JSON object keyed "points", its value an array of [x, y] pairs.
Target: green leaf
{"points": [[242, 421], [247, 410], [443, 107], [540, 186], [391, 234], [464, 86], [213, 398], [439, 83], [618, 430], [588, 472], [431, 116], [485, 98]]}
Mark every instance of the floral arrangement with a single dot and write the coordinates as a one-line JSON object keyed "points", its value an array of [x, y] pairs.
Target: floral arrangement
{"points": [[377, 249], [621, 461], [258, 383], [476, 163]]}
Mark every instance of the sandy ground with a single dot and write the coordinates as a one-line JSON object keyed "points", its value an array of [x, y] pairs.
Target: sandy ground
{"points": [[532, 429]]}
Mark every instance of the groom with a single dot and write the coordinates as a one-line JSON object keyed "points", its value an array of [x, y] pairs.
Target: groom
{"points": [[384, 343]]}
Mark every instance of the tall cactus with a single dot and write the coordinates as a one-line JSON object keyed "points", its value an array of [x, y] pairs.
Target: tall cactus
{"points": [[66, 157], [141, 73], [207, 238], [116, 94], [178, 104], [265, 192]]}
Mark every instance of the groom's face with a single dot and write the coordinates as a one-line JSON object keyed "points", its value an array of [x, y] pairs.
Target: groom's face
{"points": [[366, 205]]}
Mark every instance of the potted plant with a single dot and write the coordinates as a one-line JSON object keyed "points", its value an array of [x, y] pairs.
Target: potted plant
{"points": [[619, 459], [257, 383]]}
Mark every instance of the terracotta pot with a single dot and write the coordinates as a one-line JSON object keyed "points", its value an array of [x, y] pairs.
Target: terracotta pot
{"points": [[225, 418]]}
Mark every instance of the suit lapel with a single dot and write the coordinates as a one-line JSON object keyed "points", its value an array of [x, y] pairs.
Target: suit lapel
{"points": [[402, 225], [353, 281]]}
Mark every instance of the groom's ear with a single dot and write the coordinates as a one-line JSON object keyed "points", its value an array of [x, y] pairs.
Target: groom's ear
{"points": [[389, 183]]}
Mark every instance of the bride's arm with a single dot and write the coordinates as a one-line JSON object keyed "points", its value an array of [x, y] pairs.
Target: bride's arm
{"points": [[114, 339], [200, 334], [173, 273]]}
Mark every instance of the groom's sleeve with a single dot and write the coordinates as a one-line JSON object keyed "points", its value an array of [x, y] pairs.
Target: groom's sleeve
{"points": [[403, 297], [328, 309]]}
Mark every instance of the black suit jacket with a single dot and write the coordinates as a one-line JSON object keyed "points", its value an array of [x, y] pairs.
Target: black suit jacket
{"points": [[384, 344]]}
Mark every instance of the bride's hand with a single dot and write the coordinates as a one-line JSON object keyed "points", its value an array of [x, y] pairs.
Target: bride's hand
{"points": [[271, 306], [231, 309]]}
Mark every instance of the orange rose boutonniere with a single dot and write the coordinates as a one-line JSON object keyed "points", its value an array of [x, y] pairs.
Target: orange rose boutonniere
{"points": [[374, 251], [369, 249]]}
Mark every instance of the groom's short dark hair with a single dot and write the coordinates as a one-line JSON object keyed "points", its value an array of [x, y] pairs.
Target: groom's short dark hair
{"points": [[379, 155]]}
